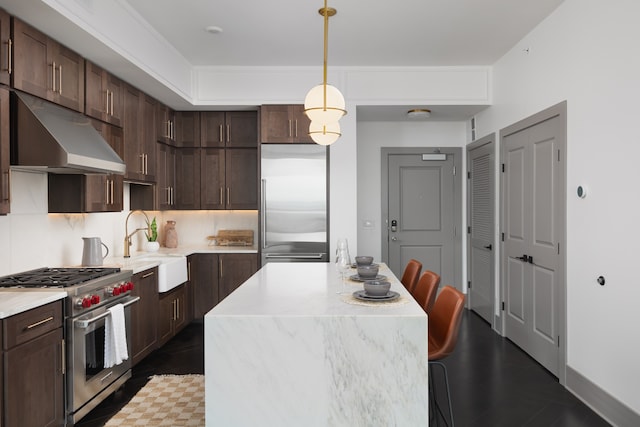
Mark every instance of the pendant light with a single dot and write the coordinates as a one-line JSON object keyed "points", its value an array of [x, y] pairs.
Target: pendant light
{"points": [[324, 104]]}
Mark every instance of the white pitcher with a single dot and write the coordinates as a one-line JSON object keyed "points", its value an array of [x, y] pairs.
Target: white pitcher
{"points": [[92, 253]]}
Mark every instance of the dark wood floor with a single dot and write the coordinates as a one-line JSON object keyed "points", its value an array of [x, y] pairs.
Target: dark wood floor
{"points": [[493, 383]]}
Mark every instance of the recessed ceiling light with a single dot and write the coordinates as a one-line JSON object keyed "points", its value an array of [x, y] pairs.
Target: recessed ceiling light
{"points": [[419, 113], [213, 29]]}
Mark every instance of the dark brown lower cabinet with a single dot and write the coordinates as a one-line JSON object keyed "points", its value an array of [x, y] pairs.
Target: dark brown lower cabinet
{"points": [[33, 368], [214, 276], [234, 270], [144, 319], [203, 274], [171, 314]]}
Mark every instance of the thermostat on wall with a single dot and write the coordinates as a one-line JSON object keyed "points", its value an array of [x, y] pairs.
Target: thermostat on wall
{"points": [[582, 191]]}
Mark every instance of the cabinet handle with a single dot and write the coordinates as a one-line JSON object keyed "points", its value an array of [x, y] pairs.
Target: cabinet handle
{"points": [[146, 164], [9, 54], [220, 132], [296, 128], [113, 184], [64, 357], [60, 79], [111, 104], [228, 193], [149, 274], [7, 187], [220, 267], [221, 196], [228, 134], [106, 191], [106, 100], [53, 76], [42, 322], [173, 196], [178, 309], [290, 129], [188, 271]]}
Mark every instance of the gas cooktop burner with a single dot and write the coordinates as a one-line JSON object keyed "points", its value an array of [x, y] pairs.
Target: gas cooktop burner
{"points": [[55, 277]]}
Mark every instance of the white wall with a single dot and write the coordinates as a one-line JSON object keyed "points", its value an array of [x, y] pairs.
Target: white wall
{"points": [[586, 53], [32, 238]]}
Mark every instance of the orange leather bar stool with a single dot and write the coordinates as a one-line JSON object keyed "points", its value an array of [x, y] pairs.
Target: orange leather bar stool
{"points": [[426, 290], [444, 324], [411, 274]]}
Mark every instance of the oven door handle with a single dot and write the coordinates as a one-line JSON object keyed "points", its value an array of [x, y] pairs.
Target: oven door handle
{"points": [[84, 323]]}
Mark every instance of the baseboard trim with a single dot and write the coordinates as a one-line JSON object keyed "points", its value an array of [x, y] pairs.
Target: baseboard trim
{"points": [[612, 410]]}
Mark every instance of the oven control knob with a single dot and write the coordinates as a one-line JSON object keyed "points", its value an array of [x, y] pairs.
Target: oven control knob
{"points": [[95, 299], [115, 291], [86, 302], [129, 286], [123, 288]]}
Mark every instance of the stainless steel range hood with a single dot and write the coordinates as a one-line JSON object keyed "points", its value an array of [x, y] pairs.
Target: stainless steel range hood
{"points": [[49, 138]]}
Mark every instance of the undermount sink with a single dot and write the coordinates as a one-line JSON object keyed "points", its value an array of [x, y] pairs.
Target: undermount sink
{"points": [[172, 270]]}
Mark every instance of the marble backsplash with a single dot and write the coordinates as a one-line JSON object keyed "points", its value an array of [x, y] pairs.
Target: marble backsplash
{"points": [[32, 238]]}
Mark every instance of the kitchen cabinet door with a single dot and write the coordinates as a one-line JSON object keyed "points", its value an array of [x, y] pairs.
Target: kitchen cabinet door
{"points": [[6, 46], [187, 129], [235, 269], [284, 124], [45, 68], [171, 314], [143, 314], [241, 177], [212, 178], [139, 136], [31, 72], [104, 95], [5, 185], [229, 129], [204, 282], [166, 174], [188, 184], [165, 124]]}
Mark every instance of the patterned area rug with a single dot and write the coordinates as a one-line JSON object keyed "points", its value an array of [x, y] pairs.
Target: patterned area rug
{"points": [[166, 400]]}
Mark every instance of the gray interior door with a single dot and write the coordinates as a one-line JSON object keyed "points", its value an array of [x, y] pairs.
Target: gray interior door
{"points": [[481, 245], [421, 213], [533, 267]]}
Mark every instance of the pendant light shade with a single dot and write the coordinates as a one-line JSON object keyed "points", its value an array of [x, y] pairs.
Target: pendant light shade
{"points": [[324, 134], [324, 112], [324, 104]]}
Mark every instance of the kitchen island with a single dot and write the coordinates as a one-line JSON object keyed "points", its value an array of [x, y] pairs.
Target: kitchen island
{"points": [[286, 349]]}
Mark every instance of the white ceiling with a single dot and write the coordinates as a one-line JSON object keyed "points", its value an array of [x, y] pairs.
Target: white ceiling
{"points": [[362, 33], [290, 33]]}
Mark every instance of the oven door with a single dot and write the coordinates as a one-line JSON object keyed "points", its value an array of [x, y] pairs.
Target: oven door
{"points": [[88, 376]]}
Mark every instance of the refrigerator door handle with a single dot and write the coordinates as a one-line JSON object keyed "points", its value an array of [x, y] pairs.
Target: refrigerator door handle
{"points": [[263, 208], [289, 256]]}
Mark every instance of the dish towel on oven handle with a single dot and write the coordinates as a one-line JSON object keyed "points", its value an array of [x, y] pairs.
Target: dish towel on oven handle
{"points": [[115, 337]]}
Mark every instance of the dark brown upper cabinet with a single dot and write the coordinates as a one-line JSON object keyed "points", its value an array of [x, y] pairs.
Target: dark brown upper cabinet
{"points": [[231, 129], [45, 68], [104, 95], [6, 48], [284, 124]]}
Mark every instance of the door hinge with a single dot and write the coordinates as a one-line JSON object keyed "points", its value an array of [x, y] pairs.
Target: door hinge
{"points": [[454, 171], [503, 168], [469, 230], [558, 341], [558, 155], [469, 284], [469, 175], [558, 248], [502, 305], [503, 237]]}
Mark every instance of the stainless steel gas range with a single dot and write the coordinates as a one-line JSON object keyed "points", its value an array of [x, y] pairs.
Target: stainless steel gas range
{"points": [[90, 294]]}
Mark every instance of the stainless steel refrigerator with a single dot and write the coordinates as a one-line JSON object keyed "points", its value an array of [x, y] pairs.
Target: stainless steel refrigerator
{"points": [[294, 203]]}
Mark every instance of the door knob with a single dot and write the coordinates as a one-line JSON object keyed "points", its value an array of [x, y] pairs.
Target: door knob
{"points": [[394, 238]]}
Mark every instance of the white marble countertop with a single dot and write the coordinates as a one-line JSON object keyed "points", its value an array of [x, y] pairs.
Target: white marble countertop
{"points": [[17, 301], [291, 344], [309, 289], [138, 263]]}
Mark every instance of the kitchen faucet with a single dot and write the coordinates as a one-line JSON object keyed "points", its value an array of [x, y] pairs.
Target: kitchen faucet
{"points": [[127, 236]]}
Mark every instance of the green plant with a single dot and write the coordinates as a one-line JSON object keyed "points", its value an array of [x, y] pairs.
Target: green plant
{"points": [[152, 232]]}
